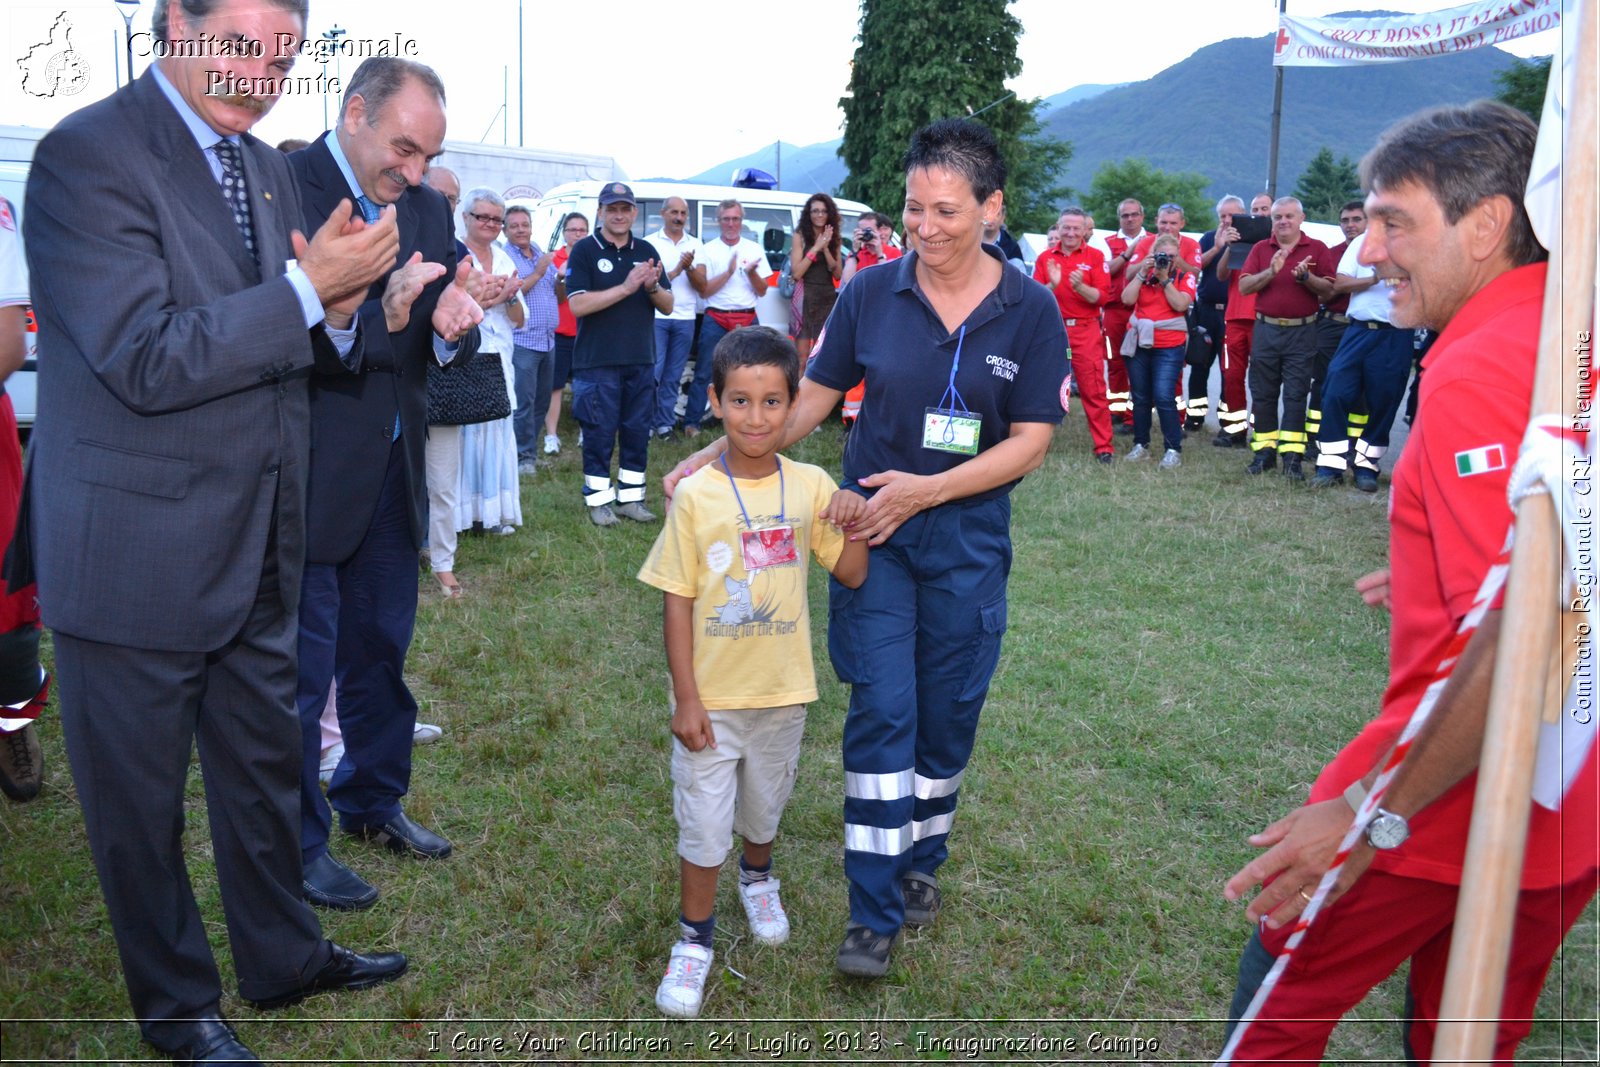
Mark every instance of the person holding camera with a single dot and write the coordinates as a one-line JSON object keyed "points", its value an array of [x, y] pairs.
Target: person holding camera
{"points": [[1159, 291]]}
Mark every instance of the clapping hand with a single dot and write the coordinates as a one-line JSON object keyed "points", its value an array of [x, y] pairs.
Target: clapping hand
{"points": [[457, 311]]}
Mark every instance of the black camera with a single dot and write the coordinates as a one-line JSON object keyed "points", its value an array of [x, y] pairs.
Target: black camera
{"points": [[1162, 260]]}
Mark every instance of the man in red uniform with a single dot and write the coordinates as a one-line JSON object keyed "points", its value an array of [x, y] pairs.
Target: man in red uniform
{"points": [[1076, 275], [1447, 230], [1239, 325], [1284, 344], [1130, 231]]}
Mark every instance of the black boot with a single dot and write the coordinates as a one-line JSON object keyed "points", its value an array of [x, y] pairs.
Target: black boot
{"points": [[1266, 459], [1291, 467]]}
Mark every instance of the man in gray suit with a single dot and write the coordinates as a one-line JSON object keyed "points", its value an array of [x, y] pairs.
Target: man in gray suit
{"points": [[166, 488]]}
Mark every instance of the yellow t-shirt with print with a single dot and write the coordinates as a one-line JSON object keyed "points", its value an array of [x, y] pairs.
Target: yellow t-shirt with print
{"points": [[752, 634]]}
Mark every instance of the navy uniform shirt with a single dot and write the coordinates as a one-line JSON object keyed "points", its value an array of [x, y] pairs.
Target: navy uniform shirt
{"points": [[1013, 360], [623, 334], [1213, 290]]}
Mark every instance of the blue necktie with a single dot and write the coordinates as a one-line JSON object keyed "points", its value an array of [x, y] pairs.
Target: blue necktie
{"points": [[369, 210], [234, 191]]}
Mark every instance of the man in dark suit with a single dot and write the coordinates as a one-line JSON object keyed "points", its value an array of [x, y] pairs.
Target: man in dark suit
{"points": [[368, 504], [165, 508]]}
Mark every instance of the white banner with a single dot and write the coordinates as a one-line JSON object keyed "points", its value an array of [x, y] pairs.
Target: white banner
{"points": [[1359, 39]]}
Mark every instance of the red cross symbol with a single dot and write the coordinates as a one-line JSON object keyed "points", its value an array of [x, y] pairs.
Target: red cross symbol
{"points": [[1283, 39]]}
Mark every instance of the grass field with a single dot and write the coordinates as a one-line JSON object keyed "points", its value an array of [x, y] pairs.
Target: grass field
{"points": [[1185, 651]]}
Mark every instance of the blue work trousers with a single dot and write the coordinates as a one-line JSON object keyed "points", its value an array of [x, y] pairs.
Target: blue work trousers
{"points": [[673, 337], [613, 405], [918, 643], [1373, 364]]}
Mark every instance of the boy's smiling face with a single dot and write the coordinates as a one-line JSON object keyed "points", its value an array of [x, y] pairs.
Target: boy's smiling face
{"points": [[754, 406]]}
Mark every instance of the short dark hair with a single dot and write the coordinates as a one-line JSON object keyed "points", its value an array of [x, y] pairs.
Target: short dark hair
{"points": [[968, 148], [1463, 155], [199, 9], [380, 77], [518, 209], [1354, 205], [755, 346]]}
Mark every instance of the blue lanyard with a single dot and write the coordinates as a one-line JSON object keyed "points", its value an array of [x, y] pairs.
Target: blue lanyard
{"points": [[950, 391], [748, 524]]}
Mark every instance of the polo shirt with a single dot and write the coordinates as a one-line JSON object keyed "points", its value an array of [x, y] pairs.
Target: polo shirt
{"points": [[1212, 290], [1446, 529], [1117, 243], [684, 297], [869, 257], [1370, 304], [622, 335], [736, 293], [566, 322], [1285, 298], [1330, 262], [1071, 304], [883, 329]]}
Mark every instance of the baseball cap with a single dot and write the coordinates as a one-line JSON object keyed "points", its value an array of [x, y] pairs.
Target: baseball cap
{"points": [[617, 193]]}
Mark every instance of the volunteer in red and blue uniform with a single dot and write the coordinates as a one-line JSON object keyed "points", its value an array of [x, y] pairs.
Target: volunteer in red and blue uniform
{"points": [[963, 360], [1076, 276]]}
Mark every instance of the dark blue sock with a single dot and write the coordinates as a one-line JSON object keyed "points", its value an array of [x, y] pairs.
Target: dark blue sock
{"points": [[699, 933], [751, 875]]}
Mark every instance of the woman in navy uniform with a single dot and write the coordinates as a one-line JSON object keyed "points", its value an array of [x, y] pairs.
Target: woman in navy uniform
{"points": [[963, 361]]}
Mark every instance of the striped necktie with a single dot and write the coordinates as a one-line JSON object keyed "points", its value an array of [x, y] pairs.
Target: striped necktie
{"points": [[235, 192]]}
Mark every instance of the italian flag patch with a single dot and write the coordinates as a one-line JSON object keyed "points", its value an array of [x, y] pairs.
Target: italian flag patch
{"points": [[1480, 460]]}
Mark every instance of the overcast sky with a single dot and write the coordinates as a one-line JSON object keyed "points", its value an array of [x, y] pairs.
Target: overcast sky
{"points": [[728, 77]]}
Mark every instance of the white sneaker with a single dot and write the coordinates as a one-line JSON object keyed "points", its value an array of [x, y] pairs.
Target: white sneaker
{"points": [[552, 444], [768, 922], [330, 762], [683, 987], [1137, 452], [425, 733], [1172, 459], [527, 467]]}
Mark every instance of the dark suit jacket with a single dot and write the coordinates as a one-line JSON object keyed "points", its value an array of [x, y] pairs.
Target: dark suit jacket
{"points": [[352, 416], [173, 381]]}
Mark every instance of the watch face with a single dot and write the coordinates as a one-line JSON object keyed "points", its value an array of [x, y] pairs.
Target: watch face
{"points": [[1387, 830]]}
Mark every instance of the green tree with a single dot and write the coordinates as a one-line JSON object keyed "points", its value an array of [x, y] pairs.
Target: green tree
{"points": [[1522, 85], [899, 83], [1327, 185], [1117, 180]]}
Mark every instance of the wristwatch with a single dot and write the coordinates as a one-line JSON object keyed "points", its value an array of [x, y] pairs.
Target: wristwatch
{"points": [[1387, 830]]}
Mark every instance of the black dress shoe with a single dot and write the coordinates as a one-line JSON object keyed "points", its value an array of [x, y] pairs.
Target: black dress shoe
{"points": [[345, 970], [327, 883], [207, 1040], [404, 834]]}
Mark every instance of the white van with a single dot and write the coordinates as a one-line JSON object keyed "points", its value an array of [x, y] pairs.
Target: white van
{"points": [[770, 216]]}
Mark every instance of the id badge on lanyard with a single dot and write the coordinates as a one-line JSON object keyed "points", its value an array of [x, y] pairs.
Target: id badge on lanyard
{"points": [[769, 546], [950, 427]]}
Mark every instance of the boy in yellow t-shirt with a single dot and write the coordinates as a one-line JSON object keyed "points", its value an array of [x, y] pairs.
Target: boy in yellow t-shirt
{"points": [[731, 560]]}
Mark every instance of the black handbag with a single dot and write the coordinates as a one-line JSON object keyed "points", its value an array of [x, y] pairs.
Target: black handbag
{"points": [[472, 393]]}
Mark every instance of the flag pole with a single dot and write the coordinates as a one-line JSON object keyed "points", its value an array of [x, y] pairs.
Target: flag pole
{"points": [[1492, 871]]}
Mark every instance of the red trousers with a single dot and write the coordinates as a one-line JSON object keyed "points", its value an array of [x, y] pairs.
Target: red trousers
{"points": [[1088, 370], [1234, 416], [1119, 396], [1369, 932]]}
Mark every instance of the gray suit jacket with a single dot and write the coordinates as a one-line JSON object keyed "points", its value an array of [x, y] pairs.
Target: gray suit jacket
{"points": [[173, 414]]}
